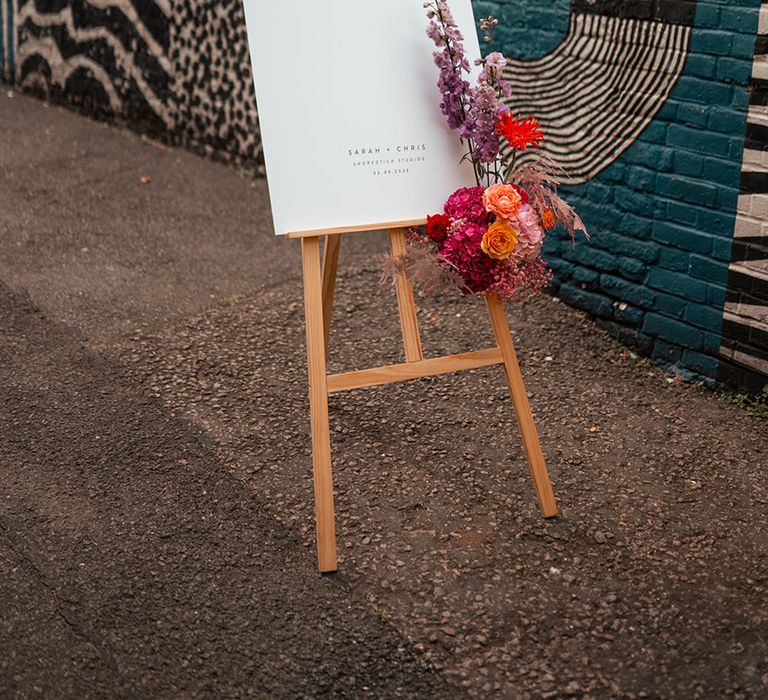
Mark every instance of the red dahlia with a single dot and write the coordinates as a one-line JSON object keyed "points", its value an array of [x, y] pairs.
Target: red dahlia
{"points": [[437, 227], [523, 194]]}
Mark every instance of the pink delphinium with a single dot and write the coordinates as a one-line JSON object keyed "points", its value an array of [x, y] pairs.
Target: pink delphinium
{"points": [[492, 73], [480, 126], [451, 61], [486, 108], [473, 111]]}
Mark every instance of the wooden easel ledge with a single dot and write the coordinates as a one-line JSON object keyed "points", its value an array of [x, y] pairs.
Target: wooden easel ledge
{"points": [[368, 228]]}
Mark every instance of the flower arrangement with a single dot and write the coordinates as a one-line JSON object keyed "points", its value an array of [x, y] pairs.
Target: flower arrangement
{"points": [[488, 238]]}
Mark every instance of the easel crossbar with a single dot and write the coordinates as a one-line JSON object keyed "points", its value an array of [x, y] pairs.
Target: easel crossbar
{"points": [[377, 376]]}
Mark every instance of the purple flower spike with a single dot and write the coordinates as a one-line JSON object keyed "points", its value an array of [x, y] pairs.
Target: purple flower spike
{"points": [[452, 62]]}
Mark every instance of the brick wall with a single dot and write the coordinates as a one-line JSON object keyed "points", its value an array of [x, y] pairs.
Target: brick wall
{"points": [[646, 102], [662, 203]]}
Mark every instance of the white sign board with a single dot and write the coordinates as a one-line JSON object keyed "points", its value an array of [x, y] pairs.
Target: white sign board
{"points": [[350, 111]]}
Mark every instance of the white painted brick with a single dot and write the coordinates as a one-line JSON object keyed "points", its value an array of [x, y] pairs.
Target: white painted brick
{"points": [[755, 160], [744, 205], [747, 226], [763, 24], [759, 207]]}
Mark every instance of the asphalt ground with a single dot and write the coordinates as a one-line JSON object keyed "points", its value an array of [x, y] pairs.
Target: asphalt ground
{"points": [[156, 534]]}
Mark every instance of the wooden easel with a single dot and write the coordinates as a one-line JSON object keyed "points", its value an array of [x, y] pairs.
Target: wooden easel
{"points": [[319, 287]]}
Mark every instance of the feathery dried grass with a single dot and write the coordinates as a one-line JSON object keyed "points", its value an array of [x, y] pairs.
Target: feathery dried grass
{"points": [[539, 177], [424, 268]]}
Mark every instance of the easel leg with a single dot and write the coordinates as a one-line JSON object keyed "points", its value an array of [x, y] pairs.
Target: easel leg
{"points": [[522, 407], [330, 265], [318, 401], [405, 303]]}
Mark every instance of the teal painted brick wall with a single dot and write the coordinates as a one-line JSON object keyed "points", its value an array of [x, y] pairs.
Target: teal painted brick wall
{"points": [[528, 29], [662, 215]]}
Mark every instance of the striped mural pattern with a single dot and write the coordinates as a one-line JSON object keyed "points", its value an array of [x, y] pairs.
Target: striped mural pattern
{"points": [[116, 49], [745, 318], [176, 69], [597, 91]]}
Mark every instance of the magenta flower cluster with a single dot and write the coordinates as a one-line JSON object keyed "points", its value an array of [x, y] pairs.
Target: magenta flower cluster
{"points": [[517, 277], [467, 204]]}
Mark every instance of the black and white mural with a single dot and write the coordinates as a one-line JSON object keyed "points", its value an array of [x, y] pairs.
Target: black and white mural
{"points": [[107, 56], [214, 102], [181, 67], [603, 85], [173, 68]]}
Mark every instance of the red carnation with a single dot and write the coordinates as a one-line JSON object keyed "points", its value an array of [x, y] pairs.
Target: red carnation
{"points": [[523, 194], [437, 227]]}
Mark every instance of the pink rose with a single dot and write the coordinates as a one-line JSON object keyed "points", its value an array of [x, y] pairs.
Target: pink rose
{"points": [[502, 200]]}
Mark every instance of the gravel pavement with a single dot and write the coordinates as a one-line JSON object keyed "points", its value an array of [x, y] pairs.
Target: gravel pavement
{"points": [[156, 534]]}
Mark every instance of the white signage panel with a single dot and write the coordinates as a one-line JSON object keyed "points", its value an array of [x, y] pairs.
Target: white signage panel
{"points": [[350, 111]]}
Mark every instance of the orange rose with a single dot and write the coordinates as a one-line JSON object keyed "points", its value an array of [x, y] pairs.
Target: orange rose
{"points": [[548, 219], [502, 200], [499, 240]]}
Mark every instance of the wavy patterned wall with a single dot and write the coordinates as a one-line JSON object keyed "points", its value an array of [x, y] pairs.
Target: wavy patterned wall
{"points": [[744, 345], [177, 69], [600, 88], [105, 56]]}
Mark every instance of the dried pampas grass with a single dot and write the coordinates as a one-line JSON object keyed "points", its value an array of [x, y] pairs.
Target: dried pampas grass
{"points": [[539, 177], [423, 268]]}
